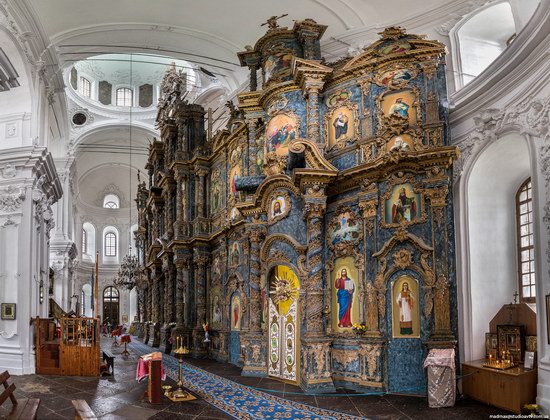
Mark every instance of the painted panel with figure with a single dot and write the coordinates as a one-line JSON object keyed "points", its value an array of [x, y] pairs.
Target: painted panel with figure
{"points": [[345, 298], [403, 206], [401, 104], [279, 206], [281, 130], [344, 229], [236, 312], [405, 311], [216, 305]]}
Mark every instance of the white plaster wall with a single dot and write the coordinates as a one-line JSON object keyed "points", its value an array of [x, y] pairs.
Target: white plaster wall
{"points": [[16, 104], [492, 186]]}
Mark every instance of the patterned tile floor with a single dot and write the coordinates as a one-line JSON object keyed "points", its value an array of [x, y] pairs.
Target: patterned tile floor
{"points": [[119, 397]]}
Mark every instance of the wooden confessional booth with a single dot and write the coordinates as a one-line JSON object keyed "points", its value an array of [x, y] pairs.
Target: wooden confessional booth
{"points": [[67, 345]]}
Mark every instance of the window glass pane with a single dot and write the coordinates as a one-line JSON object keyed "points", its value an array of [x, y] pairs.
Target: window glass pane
{"points": [[524, 230], [84, 87], [527, 292], [525, 267], [524, 255], [525, 279], [524, 219], [523, 196], [124, 97], [529, 192], [524, 242], [533, 292], [532, 268], [523, 208]]}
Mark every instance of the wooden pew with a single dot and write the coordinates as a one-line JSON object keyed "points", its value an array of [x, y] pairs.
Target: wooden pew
{"points": [[24, 409], [82, 410]]}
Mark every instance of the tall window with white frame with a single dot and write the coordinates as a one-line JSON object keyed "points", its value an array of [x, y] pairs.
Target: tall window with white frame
{"points": [[526, 249], [84, 242], [110, 244], [124, 97], [84, 87]]}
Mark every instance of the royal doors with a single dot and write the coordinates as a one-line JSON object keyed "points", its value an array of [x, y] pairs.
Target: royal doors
{"points": [[284, 292]]}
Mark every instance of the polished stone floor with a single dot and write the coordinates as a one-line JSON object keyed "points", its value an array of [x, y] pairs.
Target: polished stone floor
{"points": [[120, 397]]}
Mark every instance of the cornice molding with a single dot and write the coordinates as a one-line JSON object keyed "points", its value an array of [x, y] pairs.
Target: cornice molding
{"points": [[509, 70]]}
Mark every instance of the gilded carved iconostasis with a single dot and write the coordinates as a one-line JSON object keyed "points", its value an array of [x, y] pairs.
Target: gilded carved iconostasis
{"points": [[314, 234]]}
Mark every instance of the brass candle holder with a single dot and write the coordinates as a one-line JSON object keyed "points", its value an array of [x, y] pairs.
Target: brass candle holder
{"points": [[179, 394]]}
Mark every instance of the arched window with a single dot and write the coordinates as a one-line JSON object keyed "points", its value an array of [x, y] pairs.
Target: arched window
{"points": [[84, 242], [124, 97], [88, 239], [110, 244], [480, 38], [111, 201], [526, 249], [84, 87]]}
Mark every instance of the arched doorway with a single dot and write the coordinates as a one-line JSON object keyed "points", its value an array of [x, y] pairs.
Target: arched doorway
{"points": [[111, 302], [283, 324]]}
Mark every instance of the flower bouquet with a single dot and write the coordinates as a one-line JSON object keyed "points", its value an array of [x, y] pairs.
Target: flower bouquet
{"points": [[359, 328], [205, 328]]}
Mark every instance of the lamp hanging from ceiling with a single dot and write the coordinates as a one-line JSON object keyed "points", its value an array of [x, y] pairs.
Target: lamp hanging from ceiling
{"points": [[129, 271]]}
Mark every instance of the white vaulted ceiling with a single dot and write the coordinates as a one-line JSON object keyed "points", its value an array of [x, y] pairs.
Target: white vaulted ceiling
{"points": [[208, 33]]}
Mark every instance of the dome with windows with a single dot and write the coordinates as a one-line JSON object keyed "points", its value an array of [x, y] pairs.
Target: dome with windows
{"points": [[121, 81]]}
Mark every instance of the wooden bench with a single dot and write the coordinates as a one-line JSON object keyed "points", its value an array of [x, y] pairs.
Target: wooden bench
{"points": [[110, 360], [24, 409], [82, 410]]}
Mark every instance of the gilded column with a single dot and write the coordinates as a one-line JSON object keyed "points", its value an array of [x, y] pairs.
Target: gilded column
{"points": [[310, 75], [182, 263], [442, 318], [256, 235], [200, 174], [252, 146], [178, 226], [313, 125], [314, 210], [315, 345], [154, 334], [169, 276], [253, 77], [368, 208], [200, 261], [253, 340]]}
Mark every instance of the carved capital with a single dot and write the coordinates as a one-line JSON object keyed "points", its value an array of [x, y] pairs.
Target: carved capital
{"points": [[314, 209], [438, 196]]}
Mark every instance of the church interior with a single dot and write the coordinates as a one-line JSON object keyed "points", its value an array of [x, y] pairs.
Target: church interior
{"points": [[243, 210]]}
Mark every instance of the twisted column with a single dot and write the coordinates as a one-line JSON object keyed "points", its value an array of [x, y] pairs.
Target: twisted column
{"points": [[313, 124], [200, 289], [252, 148], [313, 212], [256, 235]]}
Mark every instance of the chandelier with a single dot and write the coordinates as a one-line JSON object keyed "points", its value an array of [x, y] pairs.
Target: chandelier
{"points": [[128, 273]]}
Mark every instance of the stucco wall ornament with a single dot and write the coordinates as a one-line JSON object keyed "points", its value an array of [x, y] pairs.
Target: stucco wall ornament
{"points": [[111, 189], [9, 171], [11, 198], [531, 117]]}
